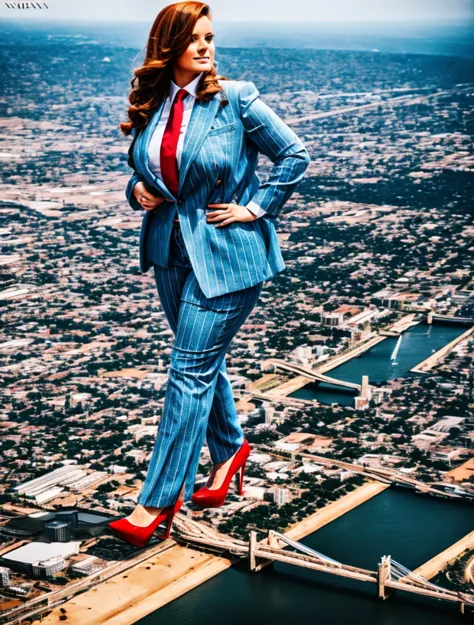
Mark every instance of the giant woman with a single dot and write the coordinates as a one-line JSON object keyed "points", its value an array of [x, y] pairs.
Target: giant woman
{"points": [[209, 232]]}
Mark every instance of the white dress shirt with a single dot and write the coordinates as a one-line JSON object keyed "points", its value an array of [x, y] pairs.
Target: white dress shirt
{"points": [[154, 146]]}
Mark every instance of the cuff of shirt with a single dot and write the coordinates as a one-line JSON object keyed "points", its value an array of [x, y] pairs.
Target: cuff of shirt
{"points": [[255, 209]]}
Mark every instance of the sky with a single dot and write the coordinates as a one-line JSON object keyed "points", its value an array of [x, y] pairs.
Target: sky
{"points": [[255, 11]]}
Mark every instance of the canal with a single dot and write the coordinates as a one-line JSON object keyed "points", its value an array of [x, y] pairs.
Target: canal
{"points": [[409, 527], [417, 343]]}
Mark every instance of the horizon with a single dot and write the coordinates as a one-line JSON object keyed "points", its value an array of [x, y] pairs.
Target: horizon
{"points": [[450, 37], [352, 22]]}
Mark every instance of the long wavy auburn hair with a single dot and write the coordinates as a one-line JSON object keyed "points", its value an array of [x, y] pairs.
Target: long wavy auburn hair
{"points": [[169, 37]]}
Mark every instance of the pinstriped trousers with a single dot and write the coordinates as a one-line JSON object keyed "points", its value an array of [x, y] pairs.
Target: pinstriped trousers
{"points": [[199, 403]]}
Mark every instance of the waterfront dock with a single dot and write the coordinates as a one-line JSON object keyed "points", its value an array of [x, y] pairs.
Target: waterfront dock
{"points": [[436, 564]]}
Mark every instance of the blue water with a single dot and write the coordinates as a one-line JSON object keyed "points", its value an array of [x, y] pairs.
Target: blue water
{"points": [[417, 344]]}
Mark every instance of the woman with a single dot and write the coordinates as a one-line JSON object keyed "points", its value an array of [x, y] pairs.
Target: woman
{"points": [[209, 233]]}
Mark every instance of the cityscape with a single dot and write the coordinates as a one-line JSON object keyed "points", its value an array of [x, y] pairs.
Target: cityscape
{"points": [[353, 376]]}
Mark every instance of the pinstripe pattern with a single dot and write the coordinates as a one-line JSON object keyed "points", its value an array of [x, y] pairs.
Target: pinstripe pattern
{"points": [[199, 401], [223, 143]]}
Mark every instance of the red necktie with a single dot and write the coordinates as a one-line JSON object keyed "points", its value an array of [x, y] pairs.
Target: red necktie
{"points": [[169, 143]]}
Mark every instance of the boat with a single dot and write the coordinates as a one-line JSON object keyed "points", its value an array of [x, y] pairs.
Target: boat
{"points": [[393, 357]]}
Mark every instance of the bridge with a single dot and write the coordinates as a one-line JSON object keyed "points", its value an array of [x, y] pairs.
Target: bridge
{"points": [[390, 575], [450, 319], [297, 402], [383, 474], [311, 373]]}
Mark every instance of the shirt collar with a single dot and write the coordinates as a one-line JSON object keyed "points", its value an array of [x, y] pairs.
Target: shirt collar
{"points": [[190, 87]]}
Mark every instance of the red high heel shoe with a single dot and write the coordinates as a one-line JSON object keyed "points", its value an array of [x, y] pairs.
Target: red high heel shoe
{"points": [[140, 535], [214, 498]]}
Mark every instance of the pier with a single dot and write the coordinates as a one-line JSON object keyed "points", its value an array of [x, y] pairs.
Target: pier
{"points": [[438, 563]]}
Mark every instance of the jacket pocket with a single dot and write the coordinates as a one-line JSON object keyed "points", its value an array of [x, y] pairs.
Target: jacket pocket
{"points": [[220, 129]]}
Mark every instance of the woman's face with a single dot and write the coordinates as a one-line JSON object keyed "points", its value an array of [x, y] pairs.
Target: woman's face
{"points": [[199, 55]]}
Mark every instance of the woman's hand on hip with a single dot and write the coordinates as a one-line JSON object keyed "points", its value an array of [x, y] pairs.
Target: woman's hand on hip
{"points": [[225, 214], [147, 199]]}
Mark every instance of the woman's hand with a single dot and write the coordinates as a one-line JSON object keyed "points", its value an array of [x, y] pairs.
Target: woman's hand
{"points": [[229, 213], [147, 199]]}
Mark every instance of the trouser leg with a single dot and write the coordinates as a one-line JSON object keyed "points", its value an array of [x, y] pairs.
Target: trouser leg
{"points": [[224, 435], [203, 336]]}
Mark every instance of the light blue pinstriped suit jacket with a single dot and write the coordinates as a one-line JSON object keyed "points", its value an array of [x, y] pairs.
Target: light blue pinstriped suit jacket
{"points": [[222, 143]]}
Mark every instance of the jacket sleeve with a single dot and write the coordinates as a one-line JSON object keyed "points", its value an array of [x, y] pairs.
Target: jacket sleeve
{"points": [[279, 142], [136, 176], [132, 200]]}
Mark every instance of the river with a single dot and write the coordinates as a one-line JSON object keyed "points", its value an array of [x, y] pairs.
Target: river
{"points": [[411, 528], [417, 344]]}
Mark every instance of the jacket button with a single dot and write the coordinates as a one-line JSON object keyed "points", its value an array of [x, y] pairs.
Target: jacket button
{"points": [[218, 181]]}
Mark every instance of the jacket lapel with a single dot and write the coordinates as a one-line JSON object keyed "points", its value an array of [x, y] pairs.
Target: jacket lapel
{"points": [[202, 115], [142, 152]]}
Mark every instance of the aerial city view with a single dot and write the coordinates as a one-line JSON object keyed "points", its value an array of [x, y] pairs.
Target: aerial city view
{"points": [[353, 378]]}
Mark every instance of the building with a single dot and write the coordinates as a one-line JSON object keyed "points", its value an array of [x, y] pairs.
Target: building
{"points": [[446, 454], [40, 555], [46, 568], [281, 496], [4, 576], [58, 531], [87, 567], [268, 412], [302, 354], [45, 495], [88, 480], [333, 319], [118, 468], [48, 486]]}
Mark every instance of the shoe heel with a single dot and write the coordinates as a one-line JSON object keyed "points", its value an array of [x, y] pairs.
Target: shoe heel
{"points": [[169, 522], [240, 481], [169, 519]]}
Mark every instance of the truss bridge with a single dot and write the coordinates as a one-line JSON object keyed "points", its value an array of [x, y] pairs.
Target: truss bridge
{"points": [[389, 575]]}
